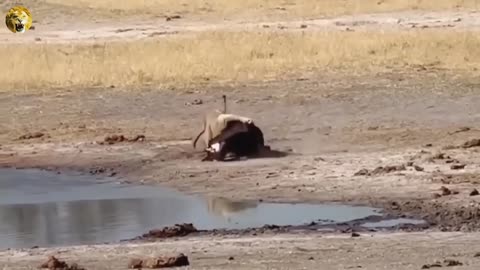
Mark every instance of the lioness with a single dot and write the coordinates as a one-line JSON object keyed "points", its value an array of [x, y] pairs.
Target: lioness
{"points": [[226, 136]]}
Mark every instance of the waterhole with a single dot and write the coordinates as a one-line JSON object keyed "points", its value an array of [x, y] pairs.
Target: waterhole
{"points": [[41, 208]]}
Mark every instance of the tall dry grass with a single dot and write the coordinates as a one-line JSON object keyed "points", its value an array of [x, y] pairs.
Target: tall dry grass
{"points": [[233, 56], [294, 8]]}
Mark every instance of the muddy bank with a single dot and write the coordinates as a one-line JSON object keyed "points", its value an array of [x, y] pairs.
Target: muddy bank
{"points": [[373, 141], [369, 224]]}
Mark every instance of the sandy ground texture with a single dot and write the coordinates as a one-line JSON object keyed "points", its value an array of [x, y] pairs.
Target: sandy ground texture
{"points": [[381, 251], [406, 141], [134, 29]]}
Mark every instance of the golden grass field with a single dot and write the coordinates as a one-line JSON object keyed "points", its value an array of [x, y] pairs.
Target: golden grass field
{"points": [[233, 56], [293, 8]]}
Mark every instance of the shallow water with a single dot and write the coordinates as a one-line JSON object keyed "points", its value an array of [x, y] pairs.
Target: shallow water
{"points": [[40, 208]]}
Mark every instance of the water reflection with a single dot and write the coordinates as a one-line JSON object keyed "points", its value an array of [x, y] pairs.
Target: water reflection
{"points": [[46, 209], [88, 221], [226, 208]]}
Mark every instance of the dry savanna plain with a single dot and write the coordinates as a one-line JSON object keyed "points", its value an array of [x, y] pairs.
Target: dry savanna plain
{"points": [[343, 86]]}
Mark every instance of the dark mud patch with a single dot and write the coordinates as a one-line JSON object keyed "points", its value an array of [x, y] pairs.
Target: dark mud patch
{"points": [[381, 170], [53, 263], [32, 135], [444, 263], [471, 143], [118, 138], [438, 214], [173, 231], [372, 223], [159, 262]]}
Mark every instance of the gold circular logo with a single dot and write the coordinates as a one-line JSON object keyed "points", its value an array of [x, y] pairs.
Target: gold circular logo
{"points": [[18, 19]]}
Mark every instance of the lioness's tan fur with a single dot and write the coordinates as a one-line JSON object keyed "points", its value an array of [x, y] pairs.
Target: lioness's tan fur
{"points": [[214, 123]]}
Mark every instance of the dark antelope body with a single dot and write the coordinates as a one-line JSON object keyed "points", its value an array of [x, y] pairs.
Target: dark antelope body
{"points": [[236, 136]]}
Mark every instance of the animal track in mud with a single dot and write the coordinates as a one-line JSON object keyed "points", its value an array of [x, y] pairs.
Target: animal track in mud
{"points": [[159, 262], [55, 264], [381, 170], [471, 143], [457, 166], [445, 263], [112, 139], [173, 231], [33, 135]]}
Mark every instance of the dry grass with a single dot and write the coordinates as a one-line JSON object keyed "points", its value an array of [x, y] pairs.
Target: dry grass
{"points": [[233, 56], [294, 8]]}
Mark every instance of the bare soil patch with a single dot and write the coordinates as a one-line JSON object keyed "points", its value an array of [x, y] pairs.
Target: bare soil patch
{"points": [[403, 251], [332, 127]]}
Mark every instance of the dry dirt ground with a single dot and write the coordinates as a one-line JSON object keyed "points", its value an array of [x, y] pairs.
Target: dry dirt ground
{"points": [[379, 251], [133, 28], [331, 125]]}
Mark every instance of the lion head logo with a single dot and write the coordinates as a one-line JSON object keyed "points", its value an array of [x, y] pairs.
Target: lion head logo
{"points": [[18, 19]]}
